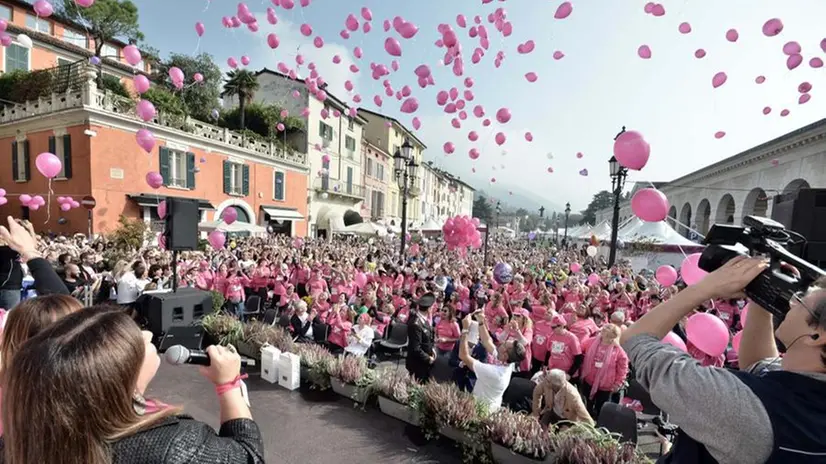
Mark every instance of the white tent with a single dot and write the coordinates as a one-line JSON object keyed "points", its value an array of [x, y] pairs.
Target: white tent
{"points": [[659, 233], [429, 225], [364, 228], [627, 230], [602, 230], [236, 227]]}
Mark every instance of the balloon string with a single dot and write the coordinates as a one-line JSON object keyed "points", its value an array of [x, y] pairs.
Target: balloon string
{"points": [[197, 46], [49, 203]]}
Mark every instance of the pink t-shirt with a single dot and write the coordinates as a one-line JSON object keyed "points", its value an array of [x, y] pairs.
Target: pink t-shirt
{"points": [[564, 348], [339, 332], [447, 329], [541, 332], [726, 311], [583, 328]]}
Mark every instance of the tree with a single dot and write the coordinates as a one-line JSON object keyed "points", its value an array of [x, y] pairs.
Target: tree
{"points": [[200, 99], [481, 209], [105, 20], [243, 84], [601, 200]]}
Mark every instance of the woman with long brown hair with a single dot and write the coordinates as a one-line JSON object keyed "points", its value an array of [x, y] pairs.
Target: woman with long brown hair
{"points": [[82, 382]]}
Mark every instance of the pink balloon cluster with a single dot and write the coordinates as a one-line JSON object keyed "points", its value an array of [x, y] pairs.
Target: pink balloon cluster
{"points": [[461, 232], [32, 202], [67, 203], [3, 199]]}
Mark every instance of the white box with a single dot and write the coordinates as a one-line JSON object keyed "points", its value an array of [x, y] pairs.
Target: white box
{"points": [[270, 356], [289, 375]]}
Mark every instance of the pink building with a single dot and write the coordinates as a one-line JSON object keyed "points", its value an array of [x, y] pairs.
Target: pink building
{"points": [[377, 169]]}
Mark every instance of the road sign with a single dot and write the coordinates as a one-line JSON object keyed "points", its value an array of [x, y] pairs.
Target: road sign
{"points": [[88, 202]]}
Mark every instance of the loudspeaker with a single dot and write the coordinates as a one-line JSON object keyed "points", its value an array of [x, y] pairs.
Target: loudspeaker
{"points": [[163, 310], [799, 211], [182, 216], [189, 336]]}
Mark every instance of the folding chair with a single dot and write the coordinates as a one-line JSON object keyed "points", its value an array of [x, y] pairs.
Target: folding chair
{"points": [[397, 341]]}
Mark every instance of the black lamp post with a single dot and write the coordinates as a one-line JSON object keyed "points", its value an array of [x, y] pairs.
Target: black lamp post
{"points": [[567, 213], [405, 170], [618, 175]]}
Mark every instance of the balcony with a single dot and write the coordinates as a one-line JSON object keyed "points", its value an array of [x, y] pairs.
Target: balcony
{"points": [[339, 189]]}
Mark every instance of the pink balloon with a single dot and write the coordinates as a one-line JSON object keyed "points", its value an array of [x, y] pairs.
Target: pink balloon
{"points": [[804, 87], [392, 46], [306, 30], [377, 100], [593, 279], [232, 62], [48, 164], [794, 61], [772, 27], [132, 55], [406, 29], [449, 148], [767, 110], [791, 48], [690, 269], [528, 136], [564, 10], [198, 77], [345, 34], [272, 41], [386, 25], [63, 207], [366, 14], [154, 179], [575, 267], [43, 8], [141, 83], [644, 52], [550, 170], [217, 239], [732, 35], [417, 124], [816, 62], [366, 27], [361, 280], [410, 105], [162, 209], [760, 79], [719, 79], [707, 333], [666, 275], [145, 140], [658, 10], [579, 155], [199, 28], [631, 150], [784, 113], [175, 74], [699, 53], [500, 138], [145, 110], [503, 115], [531, 77], [558, 55], [674, 340], [684, 28], [229, 215], [351, 23], [25, 199], [719, 134], [650, 205], [461, 21], [473, 136], [804, 98], [473, 153]]}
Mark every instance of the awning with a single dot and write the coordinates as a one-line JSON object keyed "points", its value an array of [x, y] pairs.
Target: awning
{"points": [[147, 199], [237, 227], [284, 214]]}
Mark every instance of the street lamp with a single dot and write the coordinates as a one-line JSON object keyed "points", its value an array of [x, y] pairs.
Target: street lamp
{"points": [[567, 213], [405, 170], [618, 174]]}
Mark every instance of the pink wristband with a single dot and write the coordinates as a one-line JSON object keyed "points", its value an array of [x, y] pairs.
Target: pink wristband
{"points": [[232, 385]]}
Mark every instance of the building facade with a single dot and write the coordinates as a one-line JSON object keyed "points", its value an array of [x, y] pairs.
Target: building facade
{"points": [[742, 185], [377, 169], [333, 145], [93, 134]]}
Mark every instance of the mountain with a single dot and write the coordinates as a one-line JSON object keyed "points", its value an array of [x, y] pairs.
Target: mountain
{"points": [[513, 198]]}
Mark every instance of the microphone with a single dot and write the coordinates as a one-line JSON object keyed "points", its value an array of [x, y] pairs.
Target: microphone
{"points": [[178, 355]]}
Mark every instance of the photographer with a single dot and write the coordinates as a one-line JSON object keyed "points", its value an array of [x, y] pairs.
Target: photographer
{"points": [[769, 411]]}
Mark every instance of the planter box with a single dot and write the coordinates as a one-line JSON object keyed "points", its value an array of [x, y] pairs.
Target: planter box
{"points": [[502, 455], [398, 411], [304, 373], [348, 391], [455, 434], [247, 350]]}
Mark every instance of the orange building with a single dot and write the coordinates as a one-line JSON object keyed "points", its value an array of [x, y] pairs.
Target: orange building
{"points": [[93, 132]]}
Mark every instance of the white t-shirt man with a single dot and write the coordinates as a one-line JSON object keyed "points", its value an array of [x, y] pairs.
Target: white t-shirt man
{"points": [[491, 382]]}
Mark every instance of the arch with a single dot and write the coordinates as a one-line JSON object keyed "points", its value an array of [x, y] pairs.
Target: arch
{"points": [[242, 214], [796, 185], [672, 216], [703, 216], [685, 220], [756, 203], [725, 210], [240, 206], [351, 217]]}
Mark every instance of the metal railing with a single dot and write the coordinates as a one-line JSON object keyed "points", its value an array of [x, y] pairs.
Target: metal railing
{"points": [[338, 187]]}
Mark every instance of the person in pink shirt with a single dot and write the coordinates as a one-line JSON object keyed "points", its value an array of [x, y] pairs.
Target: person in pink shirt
{"points": [[234, 293], [495, 312], [582, 324], [604, 368], [288, 297], [260, 275], [321, 305], [205, 278], [340, 326], [542, 329], [447, 331], [520, 328], [564, 351], [315, 284], [727, 311], [219, 280]]}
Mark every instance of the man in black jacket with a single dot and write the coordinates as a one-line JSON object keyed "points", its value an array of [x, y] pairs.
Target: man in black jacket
{"points": [[11, 277], [420, 349]]}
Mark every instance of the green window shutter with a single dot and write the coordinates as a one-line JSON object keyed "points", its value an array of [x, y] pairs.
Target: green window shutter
{"points": [[190, 171], [52, 146], [279, 185], [67, 156], [321, 129], [227, 177], [163, 164], [14, 165], [246, 181], [27, 164]]}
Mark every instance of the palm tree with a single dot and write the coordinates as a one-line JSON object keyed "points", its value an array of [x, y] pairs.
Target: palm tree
{"points": [[243, 84]]}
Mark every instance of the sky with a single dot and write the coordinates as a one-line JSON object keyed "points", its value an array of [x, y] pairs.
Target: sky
{"points": [[578, 104]]}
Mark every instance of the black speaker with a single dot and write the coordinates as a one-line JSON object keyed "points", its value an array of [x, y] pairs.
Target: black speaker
{"points": [[182, 216], [164, 310], [803, 212], [189, 336]]}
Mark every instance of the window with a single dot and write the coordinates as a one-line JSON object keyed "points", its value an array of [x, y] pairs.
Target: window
{"points": [[75, 38], [350, 145], [350, 180], [380, 171], [325, 179], [369, 167], [278, 186], [325, 131], [63, 62], [109, 51], [17, 58], [39, 24], [236, 178], [177, 168], [5, 13], [350, 124], [376, 204], [20, 161], [61, 146]]}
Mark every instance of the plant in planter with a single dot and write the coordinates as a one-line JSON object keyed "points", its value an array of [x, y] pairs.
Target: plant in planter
{"points": [[316, 360], [256, 335], [397, 391], [281, 339], [584, 443], [223, 328], [520, 433], [445, 409], [351, 377]]}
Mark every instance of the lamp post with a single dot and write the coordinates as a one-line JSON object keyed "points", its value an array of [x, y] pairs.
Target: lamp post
{"points": [[405, 170], [567, 213], [618, 174]]}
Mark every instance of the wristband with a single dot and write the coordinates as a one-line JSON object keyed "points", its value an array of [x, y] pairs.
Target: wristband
{"points": [[231, 385]]}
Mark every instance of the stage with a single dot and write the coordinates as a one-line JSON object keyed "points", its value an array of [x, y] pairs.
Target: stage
{"points": [[299, 431]]}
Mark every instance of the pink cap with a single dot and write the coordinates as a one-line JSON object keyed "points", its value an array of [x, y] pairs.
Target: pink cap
{"points": [[557, 321]]}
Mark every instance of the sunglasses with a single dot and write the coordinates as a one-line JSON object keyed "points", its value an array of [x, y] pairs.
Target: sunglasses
{"points": [[799, 297]]}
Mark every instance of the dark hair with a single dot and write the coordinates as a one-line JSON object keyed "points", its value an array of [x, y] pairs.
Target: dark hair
{"points": [[516, 352], [64, 258], [139, 268]]}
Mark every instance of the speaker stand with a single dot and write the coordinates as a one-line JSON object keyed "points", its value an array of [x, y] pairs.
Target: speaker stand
{"points": [[174, 270]]}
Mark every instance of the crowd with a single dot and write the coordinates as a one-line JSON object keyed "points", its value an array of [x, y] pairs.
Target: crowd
{"points": [[543, 318]]}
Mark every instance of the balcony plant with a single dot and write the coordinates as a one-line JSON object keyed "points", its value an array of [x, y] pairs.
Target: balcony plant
{"points": [[315, 364], [350, 377], [396, 390], [517, 437], [584, 443]]}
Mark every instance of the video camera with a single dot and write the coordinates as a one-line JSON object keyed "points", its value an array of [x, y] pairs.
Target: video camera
{"points": [[774, 287]]}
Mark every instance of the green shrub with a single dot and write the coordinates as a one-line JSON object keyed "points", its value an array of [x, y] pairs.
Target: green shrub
{"points": [[165, 101], [22, 86], [114, 85], [260, 119]]}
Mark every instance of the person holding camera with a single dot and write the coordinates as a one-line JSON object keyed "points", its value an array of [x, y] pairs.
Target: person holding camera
{"points": [[772, 410]]}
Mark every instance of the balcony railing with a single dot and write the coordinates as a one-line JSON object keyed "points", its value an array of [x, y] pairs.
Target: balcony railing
{"points": [[87, 95], [337, 187]]}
